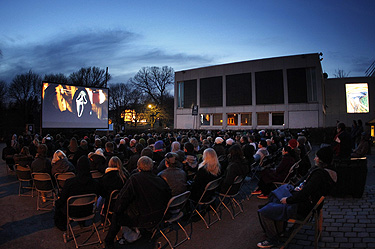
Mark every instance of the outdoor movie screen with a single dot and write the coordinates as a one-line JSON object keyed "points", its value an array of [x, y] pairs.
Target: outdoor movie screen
{"points": [[357, 100], [67, 106]]}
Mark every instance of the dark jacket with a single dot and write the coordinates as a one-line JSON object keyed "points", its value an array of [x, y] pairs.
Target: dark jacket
{"points": [[41, 164], [143, 199], [62, 166], [98, 162], [201, 179], [280, 172], [235, 168], [109, 182], [176, 179], [318, 183], [23, 160]]}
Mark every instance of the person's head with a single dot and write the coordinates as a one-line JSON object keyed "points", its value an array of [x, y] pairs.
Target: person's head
{"points": [[145, 164], [98, 143], [175, 146], [293, 143], [341, 127], [189, 148], [83, 166], [219, 140], [109, 147], [171, 159], [301, 140], [286, 150], [83, 144], [324, 157], [159, 145], [133, 142], [150, 141], [229, 142], [115, 162], [244, 140], [262, 144], [25, 151], [269, 142], [210, 161], [147, 152], [235, 152], [139, 148], [58, 155], [194, 142], [73, 142], [42, 150]]}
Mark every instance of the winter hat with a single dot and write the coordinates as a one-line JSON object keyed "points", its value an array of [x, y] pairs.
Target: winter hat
{"points": [[159, 145], [325, 154], [219, 140], [292, 143], [229, 141]]}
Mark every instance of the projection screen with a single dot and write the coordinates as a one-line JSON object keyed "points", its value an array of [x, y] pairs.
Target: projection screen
{"points": [[68, 106]]}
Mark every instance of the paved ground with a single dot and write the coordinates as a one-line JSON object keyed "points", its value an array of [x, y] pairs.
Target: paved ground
{"points": [[348, 223]]}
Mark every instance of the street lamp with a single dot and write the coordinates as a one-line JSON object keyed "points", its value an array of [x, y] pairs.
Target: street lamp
{"points": [[152, 115]]}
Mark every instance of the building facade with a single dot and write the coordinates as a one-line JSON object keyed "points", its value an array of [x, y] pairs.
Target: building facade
{"points": [[277, 93]]}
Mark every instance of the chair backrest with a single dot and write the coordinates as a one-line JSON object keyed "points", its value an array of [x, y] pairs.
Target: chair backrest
{"points": [[81, 200], [236, 185], [23, 173], [42, 181], [81, 205], [211, 186], [176, 203], [62, 177], [112, 198], [95, 174]]}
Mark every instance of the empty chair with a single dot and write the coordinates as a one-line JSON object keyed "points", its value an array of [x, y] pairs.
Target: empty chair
{"points": [[44, 186], [203, 204], [24, 175], [289, 177], [232, 197], [81, 208], [61, 178], [172, 216]]}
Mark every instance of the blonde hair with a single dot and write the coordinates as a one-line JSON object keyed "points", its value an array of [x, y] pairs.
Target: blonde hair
{"points": [[210, 162], [115, 162]]}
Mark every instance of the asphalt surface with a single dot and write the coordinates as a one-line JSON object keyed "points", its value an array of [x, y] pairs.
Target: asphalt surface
{"points": [[348, 223]]}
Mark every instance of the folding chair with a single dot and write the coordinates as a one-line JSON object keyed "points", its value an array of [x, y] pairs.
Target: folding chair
{"points": [[211, 186], [24, 175], [314, 218], [74, 203], [9, 163], [172, 215], [61, 178], [43, 185], [95, 174], [232, 197], [289, 176], [112, 199]]}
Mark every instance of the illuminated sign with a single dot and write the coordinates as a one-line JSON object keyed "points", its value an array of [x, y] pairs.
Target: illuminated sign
{"points": [[357, 98]]}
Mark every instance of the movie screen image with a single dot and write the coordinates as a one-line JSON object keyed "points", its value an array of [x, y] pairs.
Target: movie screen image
{"points": [[357, 98], [67, 106]]}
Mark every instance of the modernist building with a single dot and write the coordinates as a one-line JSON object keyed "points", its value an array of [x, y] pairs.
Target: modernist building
{"points": [[277, 93]]}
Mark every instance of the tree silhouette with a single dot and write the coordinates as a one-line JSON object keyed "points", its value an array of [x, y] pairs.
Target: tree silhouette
{"points": [[90, 76]]}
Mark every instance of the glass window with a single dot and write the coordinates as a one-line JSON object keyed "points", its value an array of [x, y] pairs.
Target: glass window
{"points": [[211, 92], [218, 119], [180, 94], [190, 93], [311, 85], [238, 89], [269, 87], [277, 118], [263, 118], [232, 119], [297, 85], [205, 119], [246, 119]]}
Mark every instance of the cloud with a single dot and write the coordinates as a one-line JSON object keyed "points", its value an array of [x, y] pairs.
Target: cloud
{"points": [[122, 51]]}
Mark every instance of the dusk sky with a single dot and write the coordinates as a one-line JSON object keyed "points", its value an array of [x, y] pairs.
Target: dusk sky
{"points": [[51, 36]]}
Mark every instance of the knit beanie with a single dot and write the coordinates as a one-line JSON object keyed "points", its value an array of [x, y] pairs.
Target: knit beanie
{"points": [[325, 155]]}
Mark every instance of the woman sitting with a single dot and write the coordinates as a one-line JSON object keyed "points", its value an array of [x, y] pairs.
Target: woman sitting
{"points": [[60, 163], [24, 158], [208, 171]]}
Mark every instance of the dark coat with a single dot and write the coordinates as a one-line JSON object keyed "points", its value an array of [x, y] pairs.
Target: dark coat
{"points": [[41, 165], [62, 166], [109, 182], [201, 179], [97, 162], [280, 172], [143, 199], [235, 168], [176, 179]]}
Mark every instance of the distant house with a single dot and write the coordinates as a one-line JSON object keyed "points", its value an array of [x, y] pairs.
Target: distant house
{"points": [[281, 92]]}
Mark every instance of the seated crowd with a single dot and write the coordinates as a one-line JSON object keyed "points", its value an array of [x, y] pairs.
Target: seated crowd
{"points": [[148, 169]]}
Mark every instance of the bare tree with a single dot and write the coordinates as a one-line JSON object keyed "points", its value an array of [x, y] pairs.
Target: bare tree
{"points": [[56, 78], [25, 91], [3, 92], [340, 73], [90, 76], [154, 82]]}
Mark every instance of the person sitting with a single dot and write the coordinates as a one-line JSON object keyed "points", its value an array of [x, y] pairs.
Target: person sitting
{"points": [[278, 174], [83, 150], [41, 163], [174, 175], [72, 148], [342, 143], [236, 167], [8, 153], [97, 161], [159, 152], [208, 171], [363, 146], [60, 163], [262, 152], [132, 163], [300, 199], [23, 158], [141, 202], [81, 184], [113, 179], [219, 147], [191, 162]]}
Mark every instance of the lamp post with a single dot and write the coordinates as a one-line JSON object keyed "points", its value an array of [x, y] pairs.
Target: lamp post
{"points": [[152, 115]]}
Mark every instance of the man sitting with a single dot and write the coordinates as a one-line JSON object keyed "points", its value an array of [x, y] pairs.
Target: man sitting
{"points": [[141, 202]]}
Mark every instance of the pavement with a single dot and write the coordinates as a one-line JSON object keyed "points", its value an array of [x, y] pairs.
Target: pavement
{"points": [[348, 223]]}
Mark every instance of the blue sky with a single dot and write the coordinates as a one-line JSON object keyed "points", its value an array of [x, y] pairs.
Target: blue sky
{"points": [[52, 36]]}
